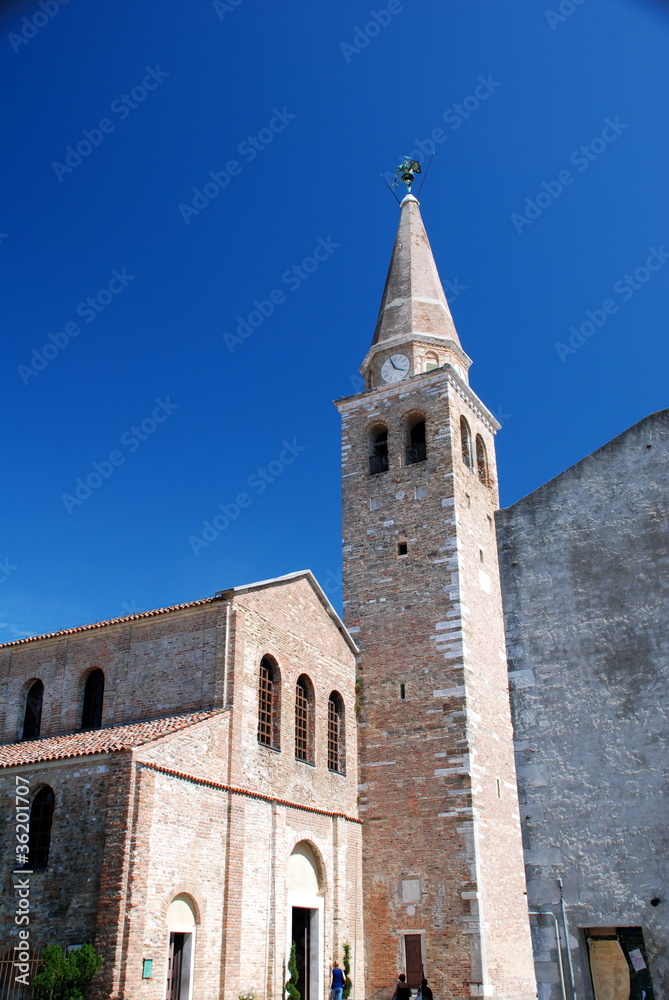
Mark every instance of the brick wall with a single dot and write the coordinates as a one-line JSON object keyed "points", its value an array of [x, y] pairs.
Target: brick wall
{"points": [[435, 712], [137, 828], [153, 667]]}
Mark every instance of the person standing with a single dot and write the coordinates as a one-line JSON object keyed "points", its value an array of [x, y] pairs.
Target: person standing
{"points": [[337, 982], [424, 991], [402, 991]]}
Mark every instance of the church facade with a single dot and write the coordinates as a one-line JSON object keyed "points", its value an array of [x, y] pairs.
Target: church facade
{"points": [[467, 782], [192, 848]]}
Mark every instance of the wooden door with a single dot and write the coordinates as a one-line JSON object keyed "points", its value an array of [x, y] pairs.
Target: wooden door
{"points": [[414, 960]]}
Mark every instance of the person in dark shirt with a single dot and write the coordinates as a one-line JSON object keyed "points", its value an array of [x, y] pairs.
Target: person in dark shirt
{"points": [[337, 981], [402, 991], [425, 993]]}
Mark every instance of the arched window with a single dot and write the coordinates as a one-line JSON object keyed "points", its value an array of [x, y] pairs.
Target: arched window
{"points": [[378, 450], [269, 704], [336, 744], [416, 450], [39, 835], [466, 443], [431, 361], [482, 461], [32, 720], [94, 692], [304, 720]]}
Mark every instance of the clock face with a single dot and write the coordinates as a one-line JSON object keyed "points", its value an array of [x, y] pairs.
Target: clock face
{"points": [[395, 368]]}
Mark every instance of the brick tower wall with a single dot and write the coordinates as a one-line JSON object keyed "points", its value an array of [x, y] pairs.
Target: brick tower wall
{"points": [[428, 792]]}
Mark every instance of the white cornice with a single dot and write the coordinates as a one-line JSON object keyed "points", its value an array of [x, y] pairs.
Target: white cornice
{"points": [[446, 373], [417, 337]]}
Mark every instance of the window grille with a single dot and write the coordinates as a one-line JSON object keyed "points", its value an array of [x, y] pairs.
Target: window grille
{"points": [[301, 721], [266, 707], [333, 736], [378, 459]]}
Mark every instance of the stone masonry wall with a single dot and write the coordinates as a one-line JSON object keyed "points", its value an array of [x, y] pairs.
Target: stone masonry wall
{"points": [[64, 899], [585, 567], [426, 700]]}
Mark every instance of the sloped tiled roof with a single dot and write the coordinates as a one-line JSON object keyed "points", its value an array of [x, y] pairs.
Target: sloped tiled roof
{"points": [[221, 595], [110, 621], [109, 740]]}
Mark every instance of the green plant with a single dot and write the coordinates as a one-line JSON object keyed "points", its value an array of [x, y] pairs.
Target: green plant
{"points": [[62, 976], [358, 695], [348, 985], [291, 985]]}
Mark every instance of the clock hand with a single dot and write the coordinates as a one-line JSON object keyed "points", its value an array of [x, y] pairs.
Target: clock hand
{"points": [[395, 366]]}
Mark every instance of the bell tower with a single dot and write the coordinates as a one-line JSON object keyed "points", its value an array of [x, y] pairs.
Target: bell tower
{"points": [[443, 875]]}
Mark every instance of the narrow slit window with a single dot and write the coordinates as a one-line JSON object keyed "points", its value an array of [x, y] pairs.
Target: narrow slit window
{"points": [[39, 830], [265, 708], [304, 737], [402, 548], [32, 720], [336, 760], [402, 692], [94, 692], [268, 703]]}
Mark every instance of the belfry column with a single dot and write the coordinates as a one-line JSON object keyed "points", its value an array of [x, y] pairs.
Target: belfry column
{"points": [[443, 875]]}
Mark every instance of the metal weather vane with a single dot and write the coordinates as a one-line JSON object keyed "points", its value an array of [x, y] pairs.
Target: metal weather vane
{"points": [[406, 172]]}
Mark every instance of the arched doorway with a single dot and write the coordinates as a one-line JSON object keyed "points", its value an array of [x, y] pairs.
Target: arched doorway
{"points": [[305, 919], [181, 948]]}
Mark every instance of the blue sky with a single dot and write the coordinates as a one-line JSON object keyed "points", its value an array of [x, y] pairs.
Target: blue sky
{"points": [[546, 199]]}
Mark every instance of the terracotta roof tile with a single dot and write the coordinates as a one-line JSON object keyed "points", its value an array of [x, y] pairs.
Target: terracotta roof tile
{"points": [[109, 740], [111, 621]]}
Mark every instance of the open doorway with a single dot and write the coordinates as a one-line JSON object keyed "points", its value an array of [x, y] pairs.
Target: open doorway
{"points": [[179, 966], [180, 948], [305, 936]]}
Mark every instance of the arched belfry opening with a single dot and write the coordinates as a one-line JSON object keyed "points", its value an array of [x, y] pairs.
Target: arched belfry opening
{"points": [[305, 887], [416, 440], [378, 449]]}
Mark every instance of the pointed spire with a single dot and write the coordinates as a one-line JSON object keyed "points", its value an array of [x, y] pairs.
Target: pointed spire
{"points": [[414, 302]]}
